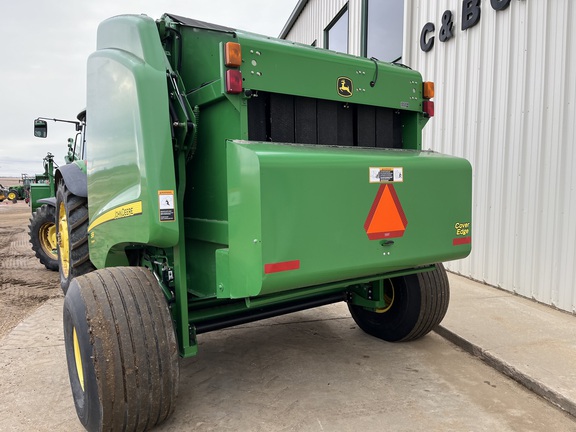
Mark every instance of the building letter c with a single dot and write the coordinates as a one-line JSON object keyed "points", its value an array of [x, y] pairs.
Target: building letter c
{"points": [[427, 45]]}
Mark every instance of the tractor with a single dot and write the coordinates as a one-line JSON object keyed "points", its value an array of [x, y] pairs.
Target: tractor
{"points": [[3, 193], [42, 226]]}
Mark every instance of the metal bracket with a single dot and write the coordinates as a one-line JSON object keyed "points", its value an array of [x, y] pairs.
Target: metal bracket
{"points": [[368, 295]]}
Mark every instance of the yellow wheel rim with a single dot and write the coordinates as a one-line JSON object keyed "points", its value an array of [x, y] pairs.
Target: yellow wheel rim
{"points": [[389, 295], [78, 358], [11, 196], [63, 241], [47, 235]]}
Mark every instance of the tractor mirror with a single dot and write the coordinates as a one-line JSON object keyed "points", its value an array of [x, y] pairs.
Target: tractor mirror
{"points": [[40, 128]]}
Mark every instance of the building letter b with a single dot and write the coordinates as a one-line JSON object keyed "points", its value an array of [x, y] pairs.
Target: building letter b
{"points": [[470, 13]]}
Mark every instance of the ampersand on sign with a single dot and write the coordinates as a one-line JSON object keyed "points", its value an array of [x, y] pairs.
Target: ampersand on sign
{"points": [[447, 24]]}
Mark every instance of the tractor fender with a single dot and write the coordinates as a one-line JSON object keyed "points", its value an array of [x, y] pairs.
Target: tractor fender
{"points": [[74, 178], [49, 201]]}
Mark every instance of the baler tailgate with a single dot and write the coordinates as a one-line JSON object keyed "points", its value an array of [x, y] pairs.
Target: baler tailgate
{"points": [[303, 215]]}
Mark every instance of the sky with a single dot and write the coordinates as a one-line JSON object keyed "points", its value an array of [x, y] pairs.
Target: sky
{"points": [[44, 46]]}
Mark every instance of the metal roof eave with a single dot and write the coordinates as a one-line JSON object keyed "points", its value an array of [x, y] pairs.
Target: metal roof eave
{"points": [[295, 14]]}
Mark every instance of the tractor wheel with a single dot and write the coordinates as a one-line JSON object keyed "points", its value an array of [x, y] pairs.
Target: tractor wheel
{"points": [[72, 236], [121, 350], [42, 231], [13, 196], [418, 304]]}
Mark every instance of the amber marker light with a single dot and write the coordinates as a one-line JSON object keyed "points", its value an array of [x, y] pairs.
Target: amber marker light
{"points": [[428, 89], [233, 54]]}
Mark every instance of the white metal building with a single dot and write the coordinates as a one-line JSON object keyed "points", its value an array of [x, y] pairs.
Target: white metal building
{"points": [[505, 74]]}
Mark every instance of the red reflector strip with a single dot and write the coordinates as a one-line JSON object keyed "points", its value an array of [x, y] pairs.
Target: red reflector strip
{"points": [[461, 241], [281, 266]]}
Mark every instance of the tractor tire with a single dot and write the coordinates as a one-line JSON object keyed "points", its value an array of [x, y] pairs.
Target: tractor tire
{"points": [[121, 350], [418, 304], [13, 196], [72, 236], [42, 232]]}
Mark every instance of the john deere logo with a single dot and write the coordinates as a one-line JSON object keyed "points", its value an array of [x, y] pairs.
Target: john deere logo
{"points": [[345, 87]]}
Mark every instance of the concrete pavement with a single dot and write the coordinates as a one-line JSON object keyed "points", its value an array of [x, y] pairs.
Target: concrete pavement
{"points": [[297, 372], [532, 343]]}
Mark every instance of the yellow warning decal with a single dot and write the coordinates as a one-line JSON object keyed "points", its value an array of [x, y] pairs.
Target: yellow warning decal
{"points": [[120, 212], [166, 205]]}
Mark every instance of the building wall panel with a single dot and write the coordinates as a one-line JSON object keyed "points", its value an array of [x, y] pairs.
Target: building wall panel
{"points": [[505, 100], [318, 14]]}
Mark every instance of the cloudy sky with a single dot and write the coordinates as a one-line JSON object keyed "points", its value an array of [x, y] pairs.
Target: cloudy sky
{"points": [[44, 46]]}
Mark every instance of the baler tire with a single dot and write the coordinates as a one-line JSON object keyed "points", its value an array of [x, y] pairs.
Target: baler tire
{"points": [[121, 350], [420, 304], [72, 235], [42, 232]]}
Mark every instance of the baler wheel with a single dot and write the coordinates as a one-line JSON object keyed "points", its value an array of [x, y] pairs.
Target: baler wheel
{"points": [[121, 349], [419, 304], [42, 232], [71, 235]]}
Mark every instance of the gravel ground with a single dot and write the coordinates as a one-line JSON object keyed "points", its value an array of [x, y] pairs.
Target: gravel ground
{"points": [[25, 284]]}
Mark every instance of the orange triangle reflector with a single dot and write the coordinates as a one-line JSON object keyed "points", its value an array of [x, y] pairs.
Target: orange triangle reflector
{"points": [[386, 218]]}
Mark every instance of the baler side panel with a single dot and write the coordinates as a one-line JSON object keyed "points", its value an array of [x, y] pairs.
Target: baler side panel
{"points": [[129, 148], [206, 203], [201, 58], [206, 199]]}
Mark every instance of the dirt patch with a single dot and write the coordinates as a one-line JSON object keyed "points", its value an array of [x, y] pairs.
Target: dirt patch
{"points": [[9, 181], [24, 283]]}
